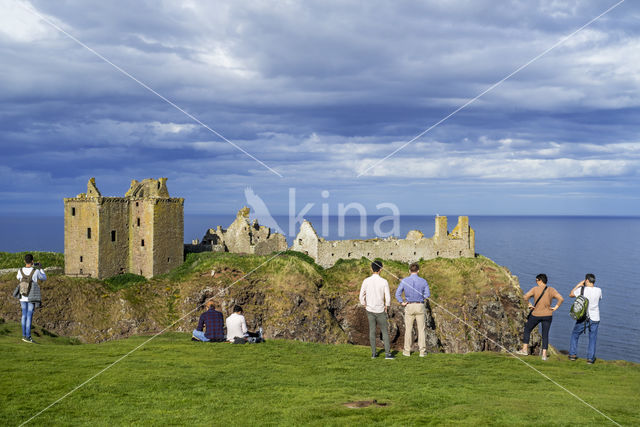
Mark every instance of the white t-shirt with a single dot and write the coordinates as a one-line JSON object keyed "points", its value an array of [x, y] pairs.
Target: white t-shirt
{"points": [[594, 295], [374, 293], [40, 274], [236, 326]]}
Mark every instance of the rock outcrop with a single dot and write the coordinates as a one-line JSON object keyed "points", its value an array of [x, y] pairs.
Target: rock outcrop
{"points": [[476, 305]]}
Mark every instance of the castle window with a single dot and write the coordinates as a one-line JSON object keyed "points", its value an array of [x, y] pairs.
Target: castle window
{"points": [[80, 258], [73, 211], [113, 235], [349, 255], [142, 242], [158, 185], [299, 241], [89, 233], [391, 254], [137, 203], [168, 259], [460, 253], [414, 253], [437, 253], [333, 254], [138, 221]]}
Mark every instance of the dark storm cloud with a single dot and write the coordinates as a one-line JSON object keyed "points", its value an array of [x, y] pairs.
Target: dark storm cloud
{"points": [[320, 91]]}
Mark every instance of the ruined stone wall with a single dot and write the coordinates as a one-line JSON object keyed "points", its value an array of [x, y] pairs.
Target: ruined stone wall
{"points": [[168, 235], [460, 243], [240, 237], [81, 252], [113, 236]]}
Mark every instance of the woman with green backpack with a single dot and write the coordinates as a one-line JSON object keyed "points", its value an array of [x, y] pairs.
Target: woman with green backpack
{"points": [[590, 319]]}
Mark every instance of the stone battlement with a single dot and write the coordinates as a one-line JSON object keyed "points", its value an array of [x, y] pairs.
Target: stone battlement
{"points": [[459, 243]]}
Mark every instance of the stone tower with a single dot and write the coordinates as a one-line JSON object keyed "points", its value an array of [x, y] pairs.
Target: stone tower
{"points": [[140, 233]]}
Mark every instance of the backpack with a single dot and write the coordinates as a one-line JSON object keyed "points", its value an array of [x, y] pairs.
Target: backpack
{"points": [[579, 307], [25, 282]]}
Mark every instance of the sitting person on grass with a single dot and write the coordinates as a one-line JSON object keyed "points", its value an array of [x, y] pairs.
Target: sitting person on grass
{"points": [[237, 331], [212, 321]]}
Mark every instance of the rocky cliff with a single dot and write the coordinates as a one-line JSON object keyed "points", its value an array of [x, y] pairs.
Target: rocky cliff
{"points": [[290, 297]]}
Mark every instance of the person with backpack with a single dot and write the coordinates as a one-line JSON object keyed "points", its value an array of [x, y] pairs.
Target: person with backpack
{"points": [[28, 292], [540, 312], [587, 316]]}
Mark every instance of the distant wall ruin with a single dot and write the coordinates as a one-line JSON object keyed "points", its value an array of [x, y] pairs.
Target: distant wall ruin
{"points": [[459, 243], [241, 237]]}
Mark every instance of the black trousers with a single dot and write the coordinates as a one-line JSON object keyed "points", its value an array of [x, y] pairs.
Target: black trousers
{"points": [[532, 322]]}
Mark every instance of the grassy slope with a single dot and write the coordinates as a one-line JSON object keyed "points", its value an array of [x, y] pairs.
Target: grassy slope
{"points": [[172, 380]]}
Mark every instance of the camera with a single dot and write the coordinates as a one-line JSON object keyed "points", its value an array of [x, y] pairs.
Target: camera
{"points": [[37, 265]]}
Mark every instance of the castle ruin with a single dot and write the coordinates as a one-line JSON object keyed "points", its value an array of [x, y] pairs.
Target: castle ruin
{"points": [[459, 243], [241, 237], [140, 233]]}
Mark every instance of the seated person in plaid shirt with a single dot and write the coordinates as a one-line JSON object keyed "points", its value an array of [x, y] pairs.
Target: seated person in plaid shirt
{"points": [[213, 322]]}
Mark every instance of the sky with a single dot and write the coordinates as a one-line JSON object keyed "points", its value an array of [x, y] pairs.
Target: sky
{"points": [[312, 97]]}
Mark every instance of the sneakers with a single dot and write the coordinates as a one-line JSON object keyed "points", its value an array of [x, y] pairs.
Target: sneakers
{"points": [[29, 340], [389, 356], [423, 354], [195, 339], [374, 355], [522, 353], [544, 357], [573, 357], [406, 354], [590, 361]]}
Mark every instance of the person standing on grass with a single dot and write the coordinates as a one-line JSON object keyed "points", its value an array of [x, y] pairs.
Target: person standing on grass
{"points": [[376, 297], [416, 291], [540, 312], [213, 323], [28, 292], [591, 321]]}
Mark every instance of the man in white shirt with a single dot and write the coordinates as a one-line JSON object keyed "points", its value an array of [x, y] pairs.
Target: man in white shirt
{"points": [[375, 296], [591, 321], [31, 299], [237, 328]]}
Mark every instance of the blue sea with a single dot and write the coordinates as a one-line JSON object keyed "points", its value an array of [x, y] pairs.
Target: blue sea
{"points": [[563, 247]]}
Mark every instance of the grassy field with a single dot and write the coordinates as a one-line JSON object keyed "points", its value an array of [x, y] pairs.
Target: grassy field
{"points": [[16, 259], [172, 380]]}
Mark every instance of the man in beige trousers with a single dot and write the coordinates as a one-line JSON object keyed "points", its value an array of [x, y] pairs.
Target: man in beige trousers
{"points": [[416, 291]]}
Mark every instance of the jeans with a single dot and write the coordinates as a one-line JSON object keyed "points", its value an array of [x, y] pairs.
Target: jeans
{"points": [[27, 315], [592, 329], [200, 335], [381, 320], [532, 322]]}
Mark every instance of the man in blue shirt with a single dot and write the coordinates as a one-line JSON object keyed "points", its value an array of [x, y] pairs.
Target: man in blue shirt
{"points": [[416, 291], [213, 323]]}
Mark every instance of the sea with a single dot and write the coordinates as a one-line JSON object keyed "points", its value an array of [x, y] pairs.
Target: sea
{"points": [[565, 248]]}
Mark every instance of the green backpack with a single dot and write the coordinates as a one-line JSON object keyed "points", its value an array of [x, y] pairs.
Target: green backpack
{"points": [[579, 307], [25, 282]]}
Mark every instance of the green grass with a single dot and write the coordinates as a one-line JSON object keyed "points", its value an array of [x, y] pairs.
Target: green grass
{"points": [[16, 259], [122, 281], [172, 380]]}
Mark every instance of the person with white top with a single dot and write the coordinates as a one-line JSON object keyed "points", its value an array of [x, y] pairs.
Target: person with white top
{"points": [[237, 328], [376, 297], [590, 322], [32, 299]]}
